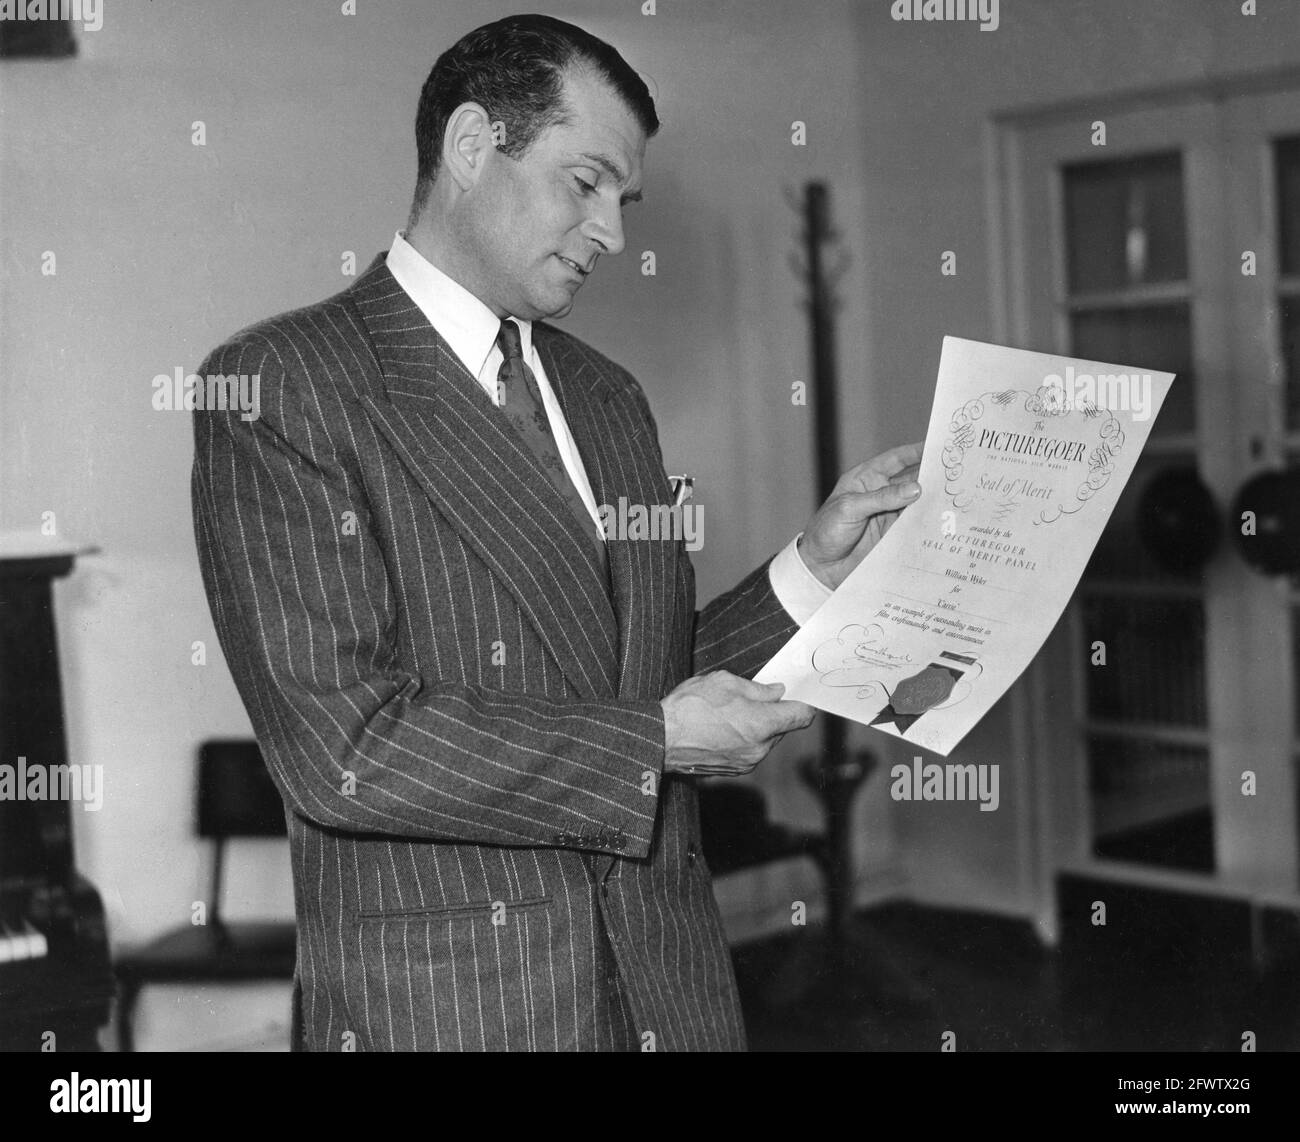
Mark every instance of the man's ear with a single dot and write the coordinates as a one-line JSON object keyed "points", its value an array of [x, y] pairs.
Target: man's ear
{"points": [[467, 144]]}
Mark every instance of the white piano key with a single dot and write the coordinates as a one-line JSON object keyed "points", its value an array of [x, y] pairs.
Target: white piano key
{"points": [[39, 945]]}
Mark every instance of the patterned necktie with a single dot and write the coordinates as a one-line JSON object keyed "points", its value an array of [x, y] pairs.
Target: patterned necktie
{"points": [[521, 401]]}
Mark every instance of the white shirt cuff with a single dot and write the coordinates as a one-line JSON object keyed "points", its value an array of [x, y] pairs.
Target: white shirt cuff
{"points": [[797, 589]]}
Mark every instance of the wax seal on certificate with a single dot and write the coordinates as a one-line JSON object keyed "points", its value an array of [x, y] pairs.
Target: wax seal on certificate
{"points": [[923, 690]]}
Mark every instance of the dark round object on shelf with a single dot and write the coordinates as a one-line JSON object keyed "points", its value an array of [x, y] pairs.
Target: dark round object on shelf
{"points": [[1177, 521], [1269, 540]]}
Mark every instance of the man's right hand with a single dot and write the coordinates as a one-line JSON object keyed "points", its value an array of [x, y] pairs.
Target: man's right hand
{"points": [[722, 725]]}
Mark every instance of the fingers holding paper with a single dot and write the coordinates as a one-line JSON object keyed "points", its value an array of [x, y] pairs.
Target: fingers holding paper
{"points": [[856, 515]]}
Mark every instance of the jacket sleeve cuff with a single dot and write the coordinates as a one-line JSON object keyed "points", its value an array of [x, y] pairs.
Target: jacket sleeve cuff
{"points": [[797, 589]]}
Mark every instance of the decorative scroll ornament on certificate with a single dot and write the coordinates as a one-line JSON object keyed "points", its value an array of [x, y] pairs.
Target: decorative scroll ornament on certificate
{"points": [[1025, 457]]}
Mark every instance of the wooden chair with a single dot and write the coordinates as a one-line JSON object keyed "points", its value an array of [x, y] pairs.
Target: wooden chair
{"points": [[236, 798]]}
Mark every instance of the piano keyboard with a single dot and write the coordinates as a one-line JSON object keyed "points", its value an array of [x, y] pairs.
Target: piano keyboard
{"points": [[21, 944]]}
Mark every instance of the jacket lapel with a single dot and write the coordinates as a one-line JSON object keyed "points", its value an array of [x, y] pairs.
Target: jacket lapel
{"points": [[487, 483], [623, 462]]}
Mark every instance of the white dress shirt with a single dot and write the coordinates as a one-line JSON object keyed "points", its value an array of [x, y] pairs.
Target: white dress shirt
{"points": [[470, 329]]}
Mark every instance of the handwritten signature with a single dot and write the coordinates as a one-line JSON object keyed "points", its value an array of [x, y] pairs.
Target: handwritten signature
{"points": [[876, 653]]}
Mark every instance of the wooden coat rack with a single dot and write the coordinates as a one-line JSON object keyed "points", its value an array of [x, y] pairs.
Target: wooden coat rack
{"points": [[835, 774]]}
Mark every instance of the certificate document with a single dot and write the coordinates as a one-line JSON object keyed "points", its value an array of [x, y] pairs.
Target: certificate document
{"points": [[1024, 460]]}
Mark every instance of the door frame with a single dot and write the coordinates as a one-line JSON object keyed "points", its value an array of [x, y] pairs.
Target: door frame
{"points": [[1257, 840]]}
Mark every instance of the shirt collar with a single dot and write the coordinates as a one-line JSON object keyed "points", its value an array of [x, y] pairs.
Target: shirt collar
{"points": [[468, 326]]}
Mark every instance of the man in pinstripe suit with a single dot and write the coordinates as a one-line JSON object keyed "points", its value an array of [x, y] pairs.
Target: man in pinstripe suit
{"points": [[481, 711]]}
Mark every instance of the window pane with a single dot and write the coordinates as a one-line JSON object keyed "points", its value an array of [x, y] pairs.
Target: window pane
{"points": [[1155, 660], [1286, 155], [1291, 356], [1295, 669], [1293, 461], [1151, 803], [1145, 337], [1124, 223]]}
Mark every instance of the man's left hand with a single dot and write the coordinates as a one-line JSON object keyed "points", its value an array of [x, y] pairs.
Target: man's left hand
{"points": [[865, 502]]}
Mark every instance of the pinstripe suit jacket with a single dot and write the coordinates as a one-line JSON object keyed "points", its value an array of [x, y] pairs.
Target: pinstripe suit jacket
{"points": [[460, 711]]}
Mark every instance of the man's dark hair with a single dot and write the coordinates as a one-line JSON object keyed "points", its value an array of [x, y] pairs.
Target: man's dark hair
{"points": [[515, 69]]}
